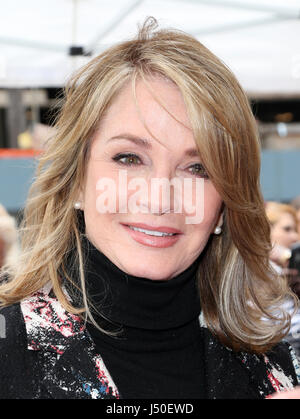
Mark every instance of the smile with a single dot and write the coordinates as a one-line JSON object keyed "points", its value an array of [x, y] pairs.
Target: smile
{"points": [[160, 237], [151, 232]]}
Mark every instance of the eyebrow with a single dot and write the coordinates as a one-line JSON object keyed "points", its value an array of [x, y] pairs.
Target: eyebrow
{"points": [[143, 142]]}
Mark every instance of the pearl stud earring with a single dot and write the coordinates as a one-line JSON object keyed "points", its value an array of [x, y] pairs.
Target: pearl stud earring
{"points": [[77, 205], [218, 230]]}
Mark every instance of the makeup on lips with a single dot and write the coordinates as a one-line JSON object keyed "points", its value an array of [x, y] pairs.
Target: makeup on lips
{"points": [[147, 235]]}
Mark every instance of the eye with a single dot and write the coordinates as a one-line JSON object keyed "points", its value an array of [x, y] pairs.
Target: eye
{"points": [[288, 229], [197, 169], [127, 159]]}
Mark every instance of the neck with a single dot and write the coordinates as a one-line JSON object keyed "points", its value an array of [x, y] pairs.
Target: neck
{"points": [[126, 300]]}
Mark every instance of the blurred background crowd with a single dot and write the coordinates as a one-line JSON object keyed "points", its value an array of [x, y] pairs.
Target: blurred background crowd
{"points": [[43, 42]]}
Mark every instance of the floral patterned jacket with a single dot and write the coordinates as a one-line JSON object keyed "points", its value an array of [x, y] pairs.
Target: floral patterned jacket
{"points": [[46, 352]]}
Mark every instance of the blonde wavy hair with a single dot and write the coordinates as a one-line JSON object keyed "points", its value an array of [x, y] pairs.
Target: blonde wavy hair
{"points": [[240, 295], [274, 211]]}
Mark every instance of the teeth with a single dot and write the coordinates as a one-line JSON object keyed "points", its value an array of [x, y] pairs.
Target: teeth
{"points": [[151, 232]]}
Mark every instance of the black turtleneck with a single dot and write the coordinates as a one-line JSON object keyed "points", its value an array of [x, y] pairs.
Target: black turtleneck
{"points": [[157, 350]]}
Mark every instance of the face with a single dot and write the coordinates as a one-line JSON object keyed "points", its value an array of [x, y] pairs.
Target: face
{"points": [[137, 145], [284, 232]]}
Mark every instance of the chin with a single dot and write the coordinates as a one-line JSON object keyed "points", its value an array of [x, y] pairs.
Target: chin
{"points": [[153, 273]]}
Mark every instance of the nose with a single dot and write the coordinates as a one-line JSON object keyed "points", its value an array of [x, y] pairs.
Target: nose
{"points": [[161, 198]]}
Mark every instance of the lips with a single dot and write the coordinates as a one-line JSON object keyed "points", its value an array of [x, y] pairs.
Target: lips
{"points": [[162, 229], [153, 240]]}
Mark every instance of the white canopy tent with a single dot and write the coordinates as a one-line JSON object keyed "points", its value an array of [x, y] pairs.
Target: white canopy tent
{"points": [[257, 39]]}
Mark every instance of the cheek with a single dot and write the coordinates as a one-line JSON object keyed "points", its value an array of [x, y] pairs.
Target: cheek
{"points": [[201, 202], [98, 222], [100, 190], [276, 233], [211, 207]]}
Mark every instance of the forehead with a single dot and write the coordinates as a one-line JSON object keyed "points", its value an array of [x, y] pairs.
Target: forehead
{"points": [[154, 109], [286, 219]]}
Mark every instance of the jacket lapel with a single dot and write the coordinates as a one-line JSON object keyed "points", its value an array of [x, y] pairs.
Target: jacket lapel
{"points": [[71, 367], [80, 374]]}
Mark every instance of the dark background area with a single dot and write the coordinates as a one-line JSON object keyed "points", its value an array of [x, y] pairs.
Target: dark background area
{"points": [[279, 110], [265, 111]]}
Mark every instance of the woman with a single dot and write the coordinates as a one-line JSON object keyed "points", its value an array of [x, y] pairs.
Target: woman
{"points": [[113, 276], [284, 233]]}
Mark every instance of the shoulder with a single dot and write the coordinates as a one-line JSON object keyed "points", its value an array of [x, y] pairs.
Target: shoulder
{"points": [[49, 327], [246, 374], [273, 371], [33, 334], [286, 367], [54, 332]]}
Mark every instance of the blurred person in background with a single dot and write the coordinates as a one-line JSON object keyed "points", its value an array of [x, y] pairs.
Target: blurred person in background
{"points": [[284, 233], [294, 262], [284, 236], [8, 238]]}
